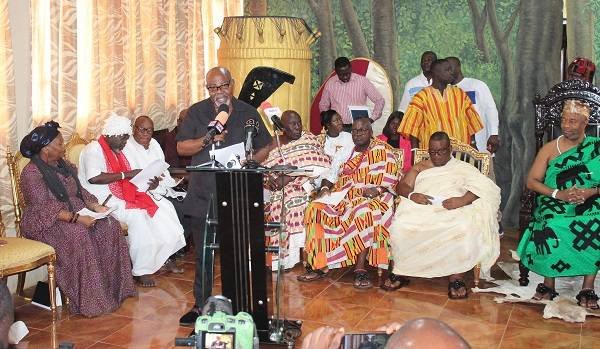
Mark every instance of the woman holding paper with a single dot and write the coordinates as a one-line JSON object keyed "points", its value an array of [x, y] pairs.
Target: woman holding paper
{"points": [[93, 267]]}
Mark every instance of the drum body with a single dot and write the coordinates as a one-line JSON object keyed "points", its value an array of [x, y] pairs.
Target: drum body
{"points": [[278, 42]]}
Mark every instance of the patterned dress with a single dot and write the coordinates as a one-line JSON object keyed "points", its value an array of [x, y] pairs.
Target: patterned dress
{"points": [[93, 267], [563, 239], [305, 152], [336, 235]]}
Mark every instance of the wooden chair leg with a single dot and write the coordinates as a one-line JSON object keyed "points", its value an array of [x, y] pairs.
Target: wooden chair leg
{"points": [[476, 272], [52, 286], [21, 284]]}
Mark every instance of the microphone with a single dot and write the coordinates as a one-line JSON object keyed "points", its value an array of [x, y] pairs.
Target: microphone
{"points": [[277, 122], [217, 126], [250, 130]]}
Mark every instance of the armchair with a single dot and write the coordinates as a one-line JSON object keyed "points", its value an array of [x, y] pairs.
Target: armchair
{"points": [[20, 255], [466, 153], [548, 111]]}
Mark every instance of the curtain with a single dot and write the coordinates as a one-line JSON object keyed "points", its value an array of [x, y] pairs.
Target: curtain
{"points": [[7, 110], [132, 57], [92, 57]]}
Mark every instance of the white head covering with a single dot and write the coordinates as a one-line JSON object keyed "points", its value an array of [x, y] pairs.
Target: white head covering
{"points": [[116, 125]]}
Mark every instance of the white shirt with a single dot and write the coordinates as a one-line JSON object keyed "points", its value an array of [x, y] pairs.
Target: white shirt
{"points": [[338, 149], [140, 157], [411, 88], [482, 99]]}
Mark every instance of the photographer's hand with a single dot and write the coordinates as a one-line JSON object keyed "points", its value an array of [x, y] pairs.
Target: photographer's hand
{"points": [[324, 338]]}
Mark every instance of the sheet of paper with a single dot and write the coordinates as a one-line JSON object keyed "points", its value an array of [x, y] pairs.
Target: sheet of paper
{"points": [[97, 215], [154, 169], [231, 156], [333, 198], [437, 200]]}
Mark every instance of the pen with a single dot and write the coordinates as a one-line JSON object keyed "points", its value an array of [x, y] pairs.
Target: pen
{"points": [[106, 200]]}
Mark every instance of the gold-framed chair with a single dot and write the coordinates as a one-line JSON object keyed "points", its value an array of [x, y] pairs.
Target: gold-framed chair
{"points": [[20, 255], [468, 154]]}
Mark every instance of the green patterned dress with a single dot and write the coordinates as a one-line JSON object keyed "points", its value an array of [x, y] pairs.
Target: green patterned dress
{"points": [[563, 239]]}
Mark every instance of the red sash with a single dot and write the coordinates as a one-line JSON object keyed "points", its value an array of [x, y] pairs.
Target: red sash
{"points": [[124, 189]]}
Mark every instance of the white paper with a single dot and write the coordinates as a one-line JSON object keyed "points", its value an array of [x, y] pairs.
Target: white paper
{"points": [[437, 200], [359, 111], [333, 198], [154, 169], [96, 215], [16, 332], [231, 155]]}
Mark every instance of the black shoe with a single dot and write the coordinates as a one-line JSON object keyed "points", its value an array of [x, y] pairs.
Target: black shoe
{"points": [[189, 319]]}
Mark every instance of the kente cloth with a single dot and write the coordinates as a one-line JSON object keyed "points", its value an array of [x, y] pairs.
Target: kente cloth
{"points": [[563, 239], [306, 153], [152, 239], [92, 268], [406, 147], [124, 189], [431, 241], [429, 112], [337, 234]]}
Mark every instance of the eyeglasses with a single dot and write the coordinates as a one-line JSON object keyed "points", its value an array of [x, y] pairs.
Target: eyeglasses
{"points": [[144, 130], [438, 152], [360, 130], [223, 87]]}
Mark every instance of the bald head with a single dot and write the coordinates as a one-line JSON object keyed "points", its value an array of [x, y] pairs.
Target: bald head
{"points": [[292, 124], [219, 85], [426, 333], [143, 128]]}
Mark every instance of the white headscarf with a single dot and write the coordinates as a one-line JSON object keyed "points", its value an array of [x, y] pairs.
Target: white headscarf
{"points": [[117, 125]]}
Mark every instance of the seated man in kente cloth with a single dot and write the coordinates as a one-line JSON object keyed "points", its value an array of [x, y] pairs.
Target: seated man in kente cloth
{"points": [[563, 238], [356, 229], [447, 221], [303, 150]]}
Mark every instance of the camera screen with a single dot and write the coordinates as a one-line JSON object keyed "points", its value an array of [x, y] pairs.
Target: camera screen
{"points": [[374, 340], [219, 340]]}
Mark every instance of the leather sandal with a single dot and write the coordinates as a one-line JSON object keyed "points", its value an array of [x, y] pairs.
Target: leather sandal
{"points": [[311, 275], [393, 279], [542, 289], [585, 296], [457, 285], [361, 279]]}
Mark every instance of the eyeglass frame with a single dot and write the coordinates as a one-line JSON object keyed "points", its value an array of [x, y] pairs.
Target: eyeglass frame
{"points": [[439, 152], [224, 86], [144, 129]]}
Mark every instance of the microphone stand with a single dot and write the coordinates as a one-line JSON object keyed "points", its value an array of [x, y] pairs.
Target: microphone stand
{"points": [[213, 163]]}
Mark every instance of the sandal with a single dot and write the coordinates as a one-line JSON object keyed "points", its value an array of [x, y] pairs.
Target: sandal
{"points": [[311, 275], [542, 289], [393, 279], [361, 279], [585, 296], [457, 285]]}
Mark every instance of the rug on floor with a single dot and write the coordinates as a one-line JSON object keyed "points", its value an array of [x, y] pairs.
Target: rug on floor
{"points": [[563, 307]]}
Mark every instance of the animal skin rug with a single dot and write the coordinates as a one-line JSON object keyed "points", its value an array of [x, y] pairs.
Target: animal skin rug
{"points": [[563, 307]]}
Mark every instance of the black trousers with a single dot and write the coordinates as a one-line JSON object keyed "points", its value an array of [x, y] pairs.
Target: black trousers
{"points": [[203, 279]]}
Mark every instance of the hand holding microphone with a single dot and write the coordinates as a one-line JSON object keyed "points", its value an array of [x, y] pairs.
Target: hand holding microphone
{"points": [[217, 126]]}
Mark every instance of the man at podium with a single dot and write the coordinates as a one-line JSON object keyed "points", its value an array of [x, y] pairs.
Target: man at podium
{"points": [[193, 139]]}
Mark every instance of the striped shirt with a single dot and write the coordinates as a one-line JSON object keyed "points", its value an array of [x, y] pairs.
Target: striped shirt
{"points": [[429, 112], [339, 95]]}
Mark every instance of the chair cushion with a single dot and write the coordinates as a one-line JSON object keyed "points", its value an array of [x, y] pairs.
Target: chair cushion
{"points": [[20, 251]]}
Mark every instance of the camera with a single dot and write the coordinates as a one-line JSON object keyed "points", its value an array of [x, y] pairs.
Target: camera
{"points": [[217, 328]]}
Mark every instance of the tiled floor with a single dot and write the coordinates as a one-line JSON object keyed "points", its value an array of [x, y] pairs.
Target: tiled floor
{"points": [[151, 319]]}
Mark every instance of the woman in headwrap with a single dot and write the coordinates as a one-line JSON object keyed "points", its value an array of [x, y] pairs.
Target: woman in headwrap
{"points": [[93, 267]]}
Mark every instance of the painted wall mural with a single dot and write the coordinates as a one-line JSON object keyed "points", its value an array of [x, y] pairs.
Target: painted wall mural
{"points": [[512, 45]]}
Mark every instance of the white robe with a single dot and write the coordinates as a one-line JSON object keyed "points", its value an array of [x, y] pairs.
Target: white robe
{"points": [[431, 241], [152, 240]]}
